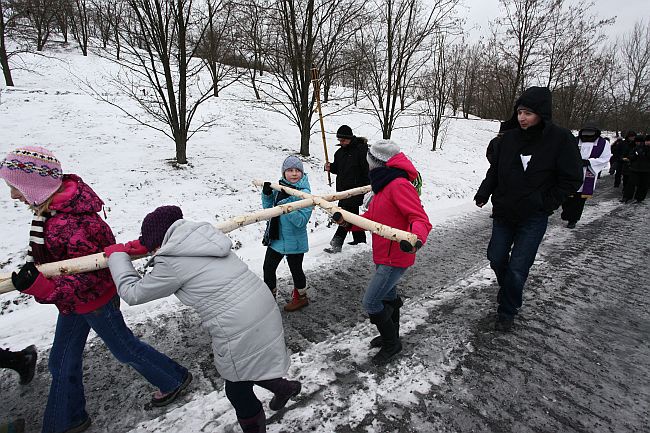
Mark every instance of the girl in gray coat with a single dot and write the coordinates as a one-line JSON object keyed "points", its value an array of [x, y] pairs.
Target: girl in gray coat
{"points": [[194, 261]]}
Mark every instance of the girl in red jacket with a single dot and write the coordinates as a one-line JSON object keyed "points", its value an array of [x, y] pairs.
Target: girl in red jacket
{"points": [[396, 204], [66, 225]]}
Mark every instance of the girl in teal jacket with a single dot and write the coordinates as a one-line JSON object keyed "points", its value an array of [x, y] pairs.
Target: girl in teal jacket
{"points": [[286, 235]]}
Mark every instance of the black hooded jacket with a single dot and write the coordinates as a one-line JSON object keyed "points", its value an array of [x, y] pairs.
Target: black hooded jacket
{"points": [[554, 170], [351, 169]]}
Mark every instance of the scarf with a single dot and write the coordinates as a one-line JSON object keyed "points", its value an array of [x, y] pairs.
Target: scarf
{"points": [[273, 227], [36, 251], [382, 176]]}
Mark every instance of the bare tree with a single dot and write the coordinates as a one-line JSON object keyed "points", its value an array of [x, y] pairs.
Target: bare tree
{"points": [[634, 97], [338, 31], [217, 48], [253, 26], [519, 35], [41, 14], [291, 56], [80, 23], [436, 88], [6, 15], [161, 71], [572, 30], [397, 48]]}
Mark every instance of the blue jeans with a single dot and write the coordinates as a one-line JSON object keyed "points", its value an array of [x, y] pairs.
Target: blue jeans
{"points": [[381, 288], [66, 403], [511, 253]]}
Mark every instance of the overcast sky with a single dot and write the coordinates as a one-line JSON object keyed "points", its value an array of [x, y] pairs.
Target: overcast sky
{"points": [[627, 12]]}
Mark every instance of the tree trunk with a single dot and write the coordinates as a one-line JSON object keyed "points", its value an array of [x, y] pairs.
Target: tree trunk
{"points": [[181, 147], [4, 59], [305, 133]]}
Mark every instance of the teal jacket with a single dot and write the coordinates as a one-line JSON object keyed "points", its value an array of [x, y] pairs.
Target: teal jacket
{"points": [[293, 226]]}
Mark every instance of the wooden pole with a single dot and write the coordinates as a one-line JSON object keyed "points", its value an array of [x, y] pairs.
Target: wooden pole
{"points": [[316, 83], [379, 229], [98, 261]]}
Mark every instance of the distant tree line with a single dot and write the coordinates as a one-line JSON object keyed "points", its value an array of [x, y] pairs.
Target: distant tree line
{"points": [[401, 56]]}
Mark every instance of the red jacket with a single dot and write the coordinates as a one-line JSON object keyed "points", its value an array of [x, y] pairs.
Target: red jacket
{"points": [[397, 205], [75, 230]]}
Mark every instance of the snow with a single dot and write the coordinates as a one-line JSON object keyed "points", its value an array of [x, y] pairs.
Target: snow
{"points": [[127, 165]]}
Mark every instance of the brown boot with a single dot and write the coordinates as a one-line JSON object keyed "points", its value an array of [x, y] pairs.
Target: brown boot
{"points": [[297, 302]]}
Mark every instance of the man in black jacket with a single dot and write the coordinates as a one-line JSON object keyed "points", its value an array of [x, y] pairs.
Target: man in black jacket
{"points": [[351, 169], [535, 166]]}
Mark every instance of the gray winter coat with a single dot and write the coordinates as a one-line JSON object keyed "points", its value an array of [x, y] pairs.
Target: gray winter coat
{"points": [[238, 310]]}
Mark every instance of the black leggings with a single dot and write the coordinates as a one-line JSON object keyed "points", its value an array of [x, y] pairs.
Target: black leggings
{"points": [[272, 261], [244, 400]]}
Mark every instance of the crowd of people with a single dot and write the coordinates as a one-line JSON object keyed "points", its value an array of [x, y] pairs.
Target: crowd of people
{"points": [[535, 168]]}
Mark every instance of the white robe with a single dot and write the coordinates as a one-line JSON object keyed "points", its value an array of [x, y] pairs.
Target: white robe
{"points": [[596, 165]]}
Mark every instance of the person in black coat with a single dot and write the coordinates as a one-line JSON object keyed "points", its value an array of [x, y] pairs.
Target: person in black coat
{"points": [[627, 146], [535, 167], [351, 169], [639, 171], [615, 160]]}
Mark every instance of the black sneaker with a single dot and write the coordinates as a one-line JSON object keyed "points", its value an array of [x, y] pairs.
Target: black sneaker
{"points": [[503, 324]]}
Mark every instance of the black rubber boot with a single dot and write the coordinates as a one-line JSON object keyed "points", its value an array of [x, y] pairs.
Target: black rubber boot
{"points": [[395, 305], [23, 362], [254, 424], [390, 344], [335, 245]]}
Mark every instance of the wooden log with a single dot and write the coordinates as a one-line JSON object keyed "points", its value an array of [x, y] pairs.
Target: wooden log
{"points": [[379, 229], [98, 261]]}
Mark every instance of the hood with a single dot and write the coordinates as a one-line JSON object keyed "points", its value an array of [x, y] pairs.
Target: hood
{"points": [[539, 100], [403, 163], [302, 184], [75, 197], [194, 239]]}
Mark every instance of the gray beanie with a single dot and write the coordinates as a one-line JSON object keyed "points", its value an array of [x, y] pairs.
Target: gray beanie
{"points": [[380, 152], [292, 162]]}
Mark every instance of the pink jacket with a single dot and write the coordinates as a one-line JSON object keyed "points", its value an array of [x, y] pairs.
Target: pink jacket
{"points": [[397, 205], [75, 230]]}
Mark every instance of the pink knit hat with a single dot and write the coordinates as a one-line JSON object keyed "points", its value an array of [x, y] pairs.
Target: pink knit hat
{"points": [[34, 171]]}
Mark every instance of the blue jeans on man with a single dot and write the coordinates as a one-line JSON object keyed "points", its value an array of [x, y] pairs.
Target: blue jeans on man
{"points": [[381, 288], [66, 403], [511, 252]]}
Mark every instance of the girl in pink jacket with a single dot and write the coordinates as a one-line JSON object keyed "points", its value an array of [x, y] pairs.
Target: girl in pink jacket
{"points": [[66, 225], [396, 204]]}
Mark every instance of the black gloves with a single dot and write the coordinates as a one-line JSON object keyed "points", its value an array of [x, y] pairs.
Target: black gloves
{"points": [[266, 189], [24, 279], [585, 163], [408, 248], [480, 200]]}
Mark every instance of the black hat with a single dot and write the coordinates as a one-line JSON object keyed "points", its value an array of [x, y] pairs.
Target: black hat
{"points": [[344, 132]]}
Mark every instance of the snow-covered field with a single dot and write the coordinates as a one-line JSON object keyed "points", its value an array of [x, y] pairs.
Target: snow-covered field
{"points": [[127, 165]]}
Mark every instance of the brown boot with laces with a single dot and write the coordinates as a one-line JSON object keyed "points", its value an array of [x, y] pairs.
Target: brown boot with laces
{"points": [[298, 301]]}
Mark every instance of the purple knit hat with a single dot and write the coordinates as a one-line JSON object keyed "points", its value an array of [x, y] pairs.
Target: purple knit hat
{"points": [[156, 224], [34, 171]]}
